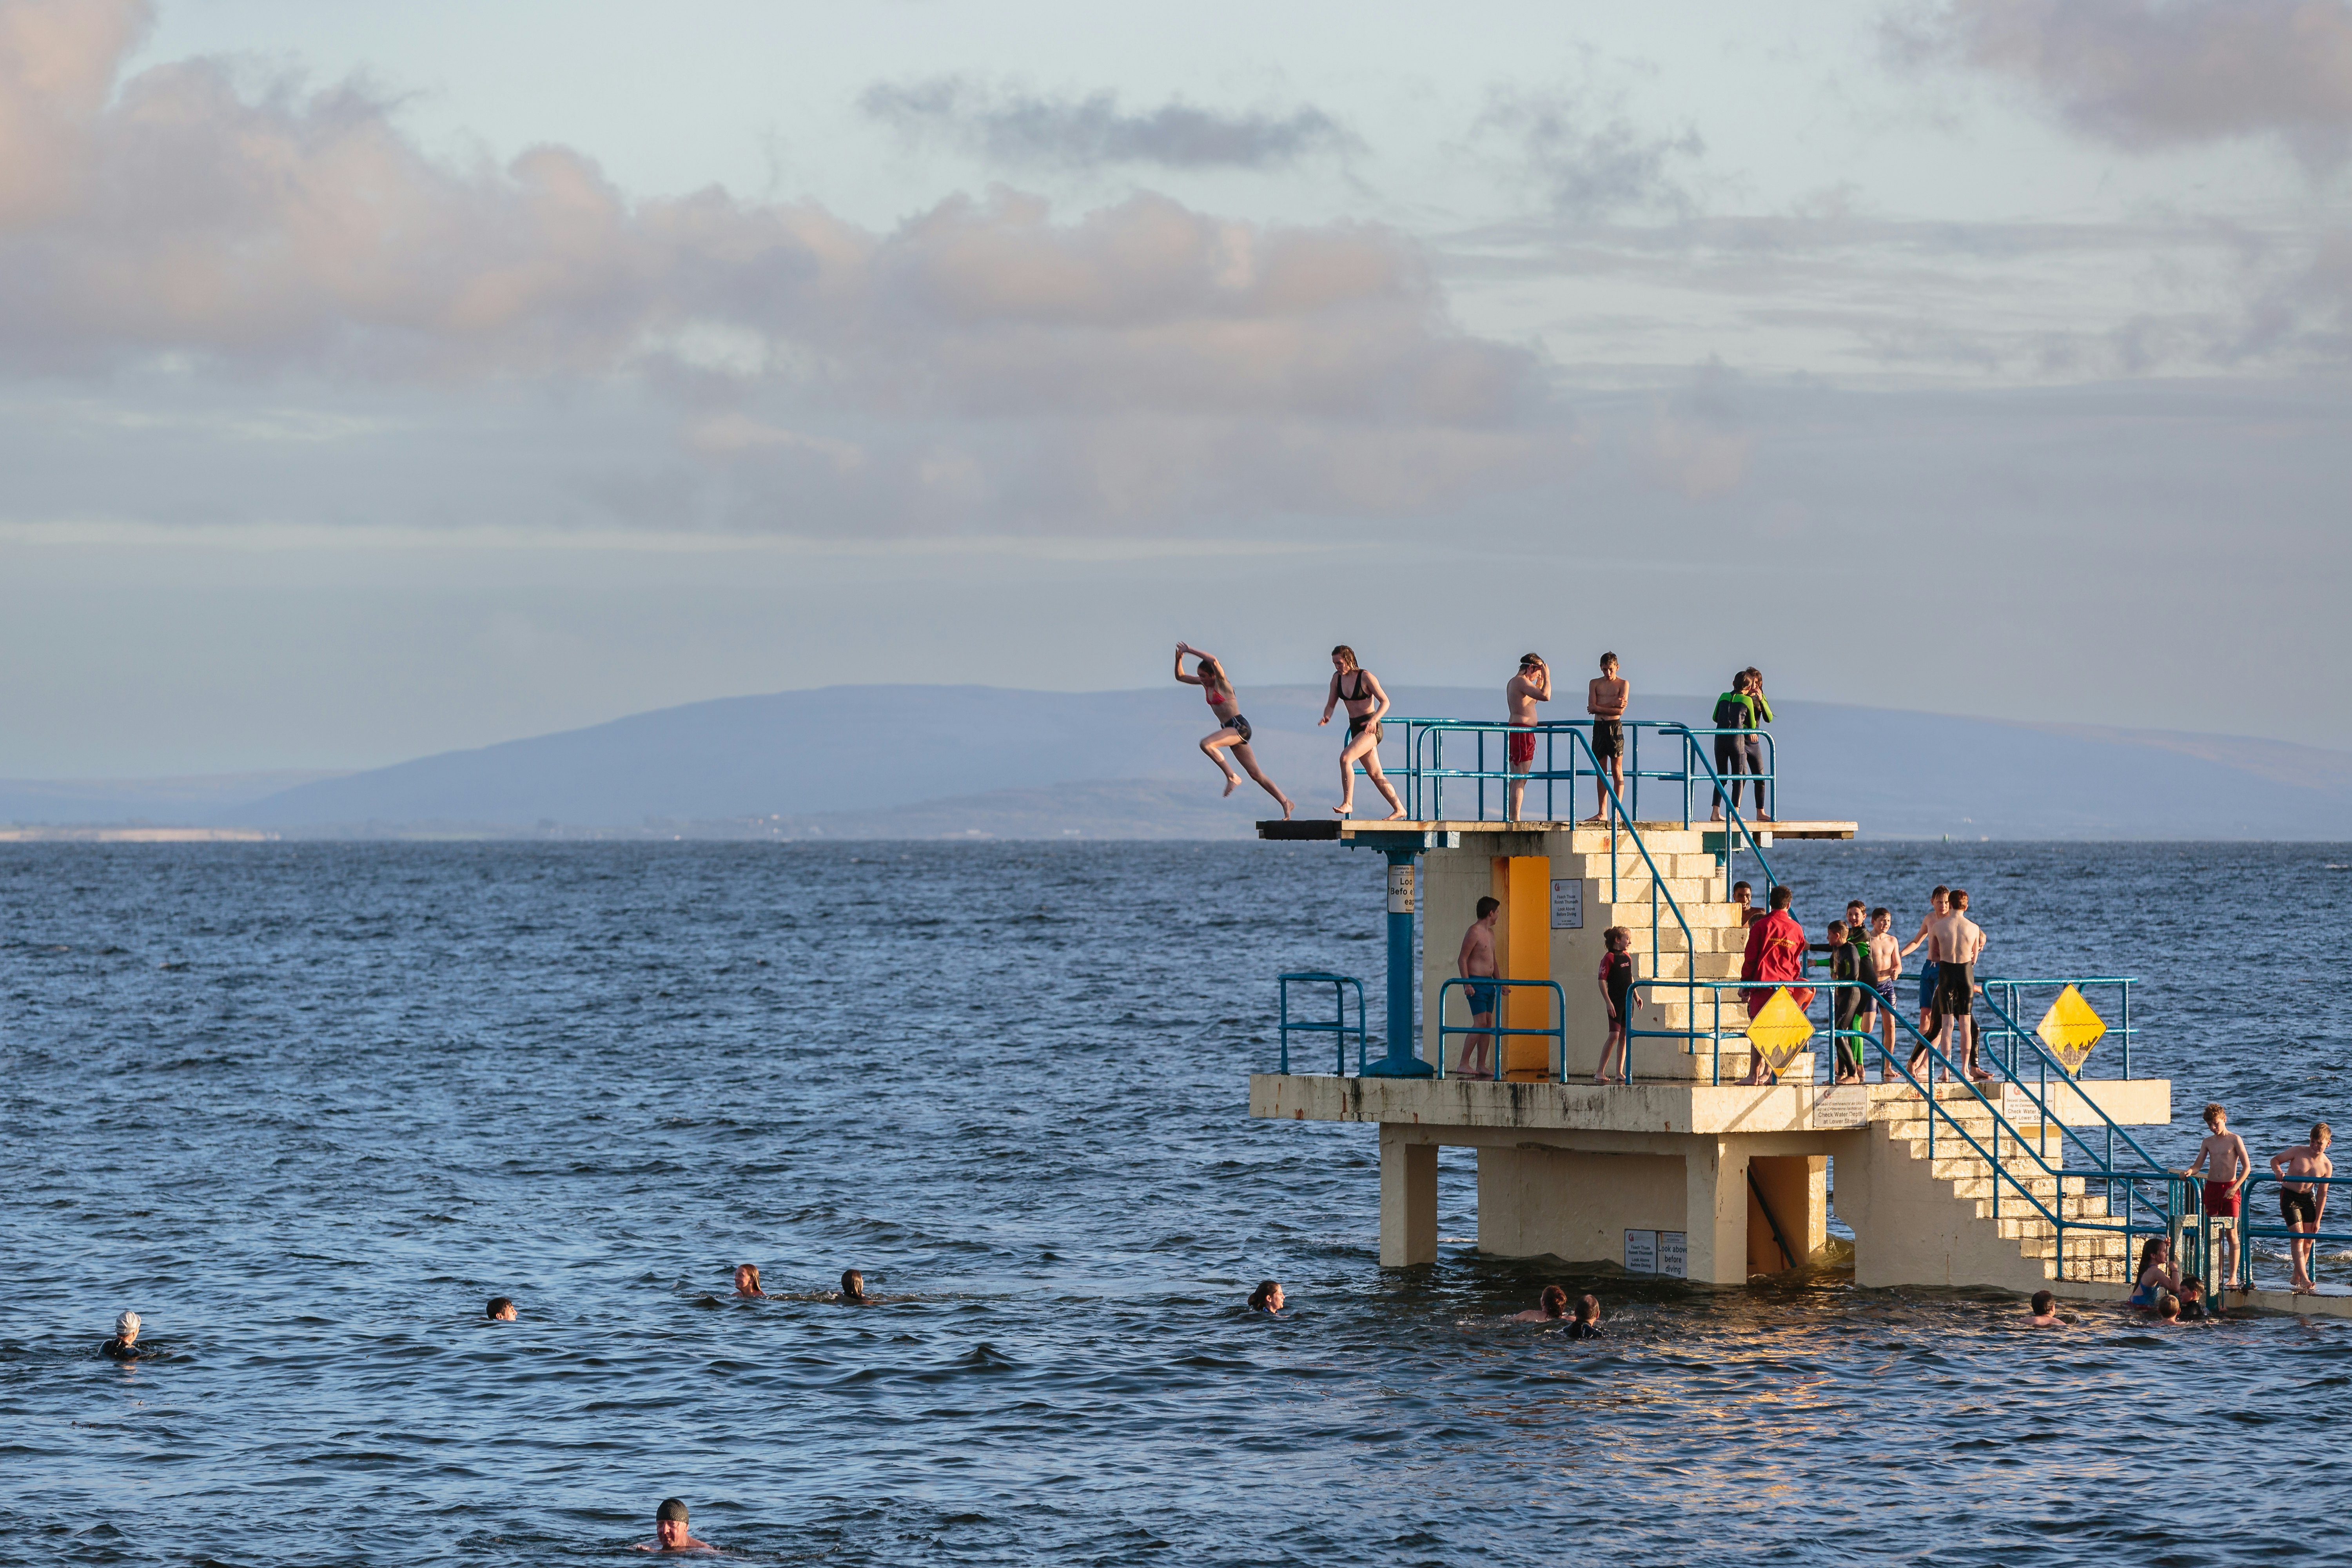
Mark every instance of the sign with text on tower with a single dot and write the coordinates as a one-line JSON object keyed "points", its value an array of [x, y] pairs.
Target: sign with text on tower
{"points": [[1658, 1252], [1568, 903], [1401, 890]]}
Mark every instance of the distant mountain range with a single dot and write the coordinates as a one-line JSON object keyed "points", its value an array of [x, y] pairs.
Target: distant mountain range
{"points": [[930, 762]]}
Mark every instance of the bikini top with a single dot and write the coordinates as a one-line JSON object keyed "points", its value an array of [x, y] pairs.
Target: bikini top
{"points": [[1218, 696], [1358, 694]]}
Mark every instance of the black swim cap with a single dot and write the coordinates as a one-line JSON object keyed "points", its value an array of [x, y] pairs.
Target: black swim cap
{"points": [[671, 1508]]}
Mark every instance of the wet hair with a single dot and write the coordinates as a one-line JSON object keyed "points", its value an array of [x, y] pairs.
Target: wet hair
{"points": [[2191, 1286], [1554, 1301], [1261, 1299], [753, 1269], [2321, 1133], [1617, 933], [2168, 1305], [1346, 655], [1529, 661], [1941, 892], [2148, 1251], [671, 1508], [1488, 905], [498, 1304], [1837, 928], [2043, 1301], [1607, 659], [1882, 909], [1780, 896], [853, 1285], [1741, 887], [2212, 1109], [1958, 898], [1588, 1308]]}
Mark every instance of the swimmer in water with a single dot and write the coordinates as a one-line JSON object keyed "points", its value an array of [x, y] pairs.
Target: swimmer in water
{"points": [[853, 1288], [1267, 1297], [669, 1528], [123, 1346], [1554, 1307], [501, 1310], [747, 1279]]}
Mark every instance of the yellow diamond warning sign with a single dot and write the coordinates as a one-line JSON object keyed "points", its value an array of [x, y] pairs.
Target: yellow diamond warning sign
{"points": [[1781, 1030], [2070, 1029]]}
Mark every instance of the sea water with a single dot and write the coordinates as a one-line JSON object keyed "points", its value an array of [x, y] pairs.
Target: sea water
{"points": [[306, 1106]]}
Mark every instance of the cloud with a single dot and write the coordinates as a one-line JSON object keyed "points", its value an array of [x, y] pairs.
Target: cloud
{"points": [[1589, 166], [2149, 74], [172, 218], [1699, 443], [1013, 126]]}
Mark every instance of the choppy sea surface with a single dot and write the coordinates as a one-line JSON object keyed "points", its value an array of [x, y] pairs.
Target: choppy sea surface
{"points": [[305, 1107]]}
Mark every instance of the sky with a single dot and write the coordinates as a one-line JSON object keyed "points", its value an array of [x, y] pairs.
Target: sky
{"points": [[383, 380]]}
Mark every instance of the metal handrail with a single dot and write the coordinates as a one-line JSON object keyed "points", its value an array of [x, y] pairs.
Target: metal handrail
{"points": [[1732, 820], [1686, 736], [1558, 1030], [2248, 1231], [1337, 1027], [2122, 1030]]}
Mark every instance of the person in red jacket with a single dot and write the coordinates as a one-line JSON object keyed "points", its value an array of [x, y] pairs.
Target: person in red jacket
{"points": [[1776, 955]]}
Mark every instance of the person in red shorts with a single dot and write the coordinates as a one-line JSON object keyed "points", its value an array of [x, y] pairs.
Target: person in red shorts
{"points": [[1776, 955], [2224, 1159], [1530, 686]]}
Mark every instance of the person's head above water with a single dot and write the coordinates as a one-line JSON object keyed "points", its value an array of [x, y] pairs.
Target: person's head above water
{"points": [[1588, 1308], [747, 1279], [126, 1327], [853, 1285], [670, 1527], [501, 1308], [1267, 1297], [1554, 1301]]}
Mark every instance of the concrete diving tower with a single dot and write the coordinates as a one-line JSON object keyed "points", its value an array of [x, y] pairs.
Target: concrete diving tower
{"points": [[2019, 1184]]}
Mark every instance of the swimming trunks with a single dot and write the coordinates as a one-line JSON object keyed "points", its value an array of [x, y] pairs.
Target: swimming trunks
{"points": [[1239, 726], [1928, 976], [1955, 989], [2298, 1208], [2220, 1198], [1356, 728], [1608, 738], [1523, 751], [1482, 995]]}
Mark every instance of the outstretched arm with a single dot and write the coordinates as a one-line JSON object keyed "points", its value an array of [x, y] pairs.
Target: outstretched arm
{"points": [[1181, 649]]}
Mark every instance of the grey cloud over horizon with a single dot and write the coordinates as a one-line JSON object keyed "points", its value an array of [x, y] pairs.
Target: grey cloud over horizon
{"points": [[1015, 125], [171, 215], [1585, 165], [2144, 75]]}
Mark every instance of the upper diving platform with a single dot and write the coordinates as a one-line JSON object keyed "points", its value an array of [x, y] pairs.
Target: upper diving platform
{"points": [[1372, 830]]}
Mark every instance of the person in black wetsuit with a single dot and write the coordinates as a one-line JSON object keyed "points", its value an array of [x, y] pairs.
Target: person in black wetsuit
{"points": [[1588, 1319], [125, 1345]]}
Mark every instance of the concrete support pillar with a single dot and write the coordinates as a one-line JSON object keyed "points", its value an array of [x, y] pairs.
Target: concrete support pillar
{"points": [[1408, 1200], [1715, 1187]]}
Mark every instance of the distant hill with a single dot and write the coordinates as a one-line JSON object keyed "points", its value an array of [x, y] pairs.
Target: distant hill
{"points": [[946, 761], [113, 803]]}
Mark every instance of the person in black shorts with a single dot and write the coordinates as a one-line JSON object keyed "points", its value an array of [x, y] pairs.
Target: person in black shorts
{"points": [[2302, 1173], [1605, 699], [1846, 964]]}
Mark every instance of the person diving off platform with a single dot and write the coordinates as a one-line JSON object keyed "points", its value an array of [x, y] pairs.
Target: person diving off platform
{"points": [[1232, 729]]}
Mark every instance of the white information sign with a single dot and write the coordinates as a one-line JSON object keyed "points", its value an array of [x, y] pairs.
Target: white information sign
{"points": [[1674, 1255], [1847, 1106], [1568, 903], [1401, 890], [2017, 1105], [1641, 1252]]}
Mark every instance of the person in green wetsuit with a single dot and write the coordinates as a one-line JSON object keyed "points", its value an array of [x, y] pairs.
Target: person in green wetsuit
{"points": [[1738, 713]]}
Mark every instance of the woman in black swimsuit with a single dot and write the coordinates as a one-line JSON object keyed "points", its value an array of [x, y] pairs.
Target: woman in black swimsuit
{"points": [[1360, 689], [1232, 729]]}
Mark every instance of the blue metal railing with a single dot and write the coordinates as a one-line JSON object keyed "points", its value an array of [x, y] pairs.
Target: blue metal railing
{"points": [[2010, 1034], [1426, 772], [1558, 1032], [2249, 1232], [1339, 1028]]}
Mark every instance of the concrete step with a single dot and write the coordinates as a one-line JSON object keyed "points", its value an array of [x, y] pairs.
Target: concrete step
{"points": [[1680, 965], [2087, 1247]]}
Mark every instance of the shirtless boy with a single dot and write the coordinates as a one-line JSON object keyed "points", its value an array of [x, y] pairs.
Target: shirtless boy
{"points": [[1955, 942], [2302, 1171], [670, 1527], [2223, 1158], [1938, 906], [1475, 962], [1743, 899], [1530, 686], [1604, 699], [1886, 973]]}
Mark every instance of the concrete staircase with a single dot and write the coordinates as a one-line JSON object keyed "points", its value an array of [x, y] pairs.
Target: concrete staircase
{"points": [[1942, 1209]]}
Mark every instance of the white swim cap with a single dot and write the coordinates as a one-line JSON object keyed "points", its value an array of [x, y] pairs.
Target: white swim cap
{"points": [[126, 1325]]}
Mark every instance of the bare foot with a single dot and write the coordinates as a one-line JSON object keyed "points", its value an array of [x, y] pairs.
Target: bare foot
{"points": [[1287, 809], [1762, 817], [1345, 808], [1232, 783], [1596, 820], [1396, 815], [1715, 816]]}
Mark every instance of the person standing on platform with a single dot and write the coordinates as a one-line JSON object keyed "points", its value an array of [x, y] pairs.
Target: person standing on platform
{"points": [[1847, 960], [1938, 906], [1530, 686], [1617, 990], [1360, 689], [2302, 1171], [1731, 720], [1605, 697], [1886, 973], [1955, 942], [1476, 964], [1232, 729], [1775, 955], [2226, 1165]]}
